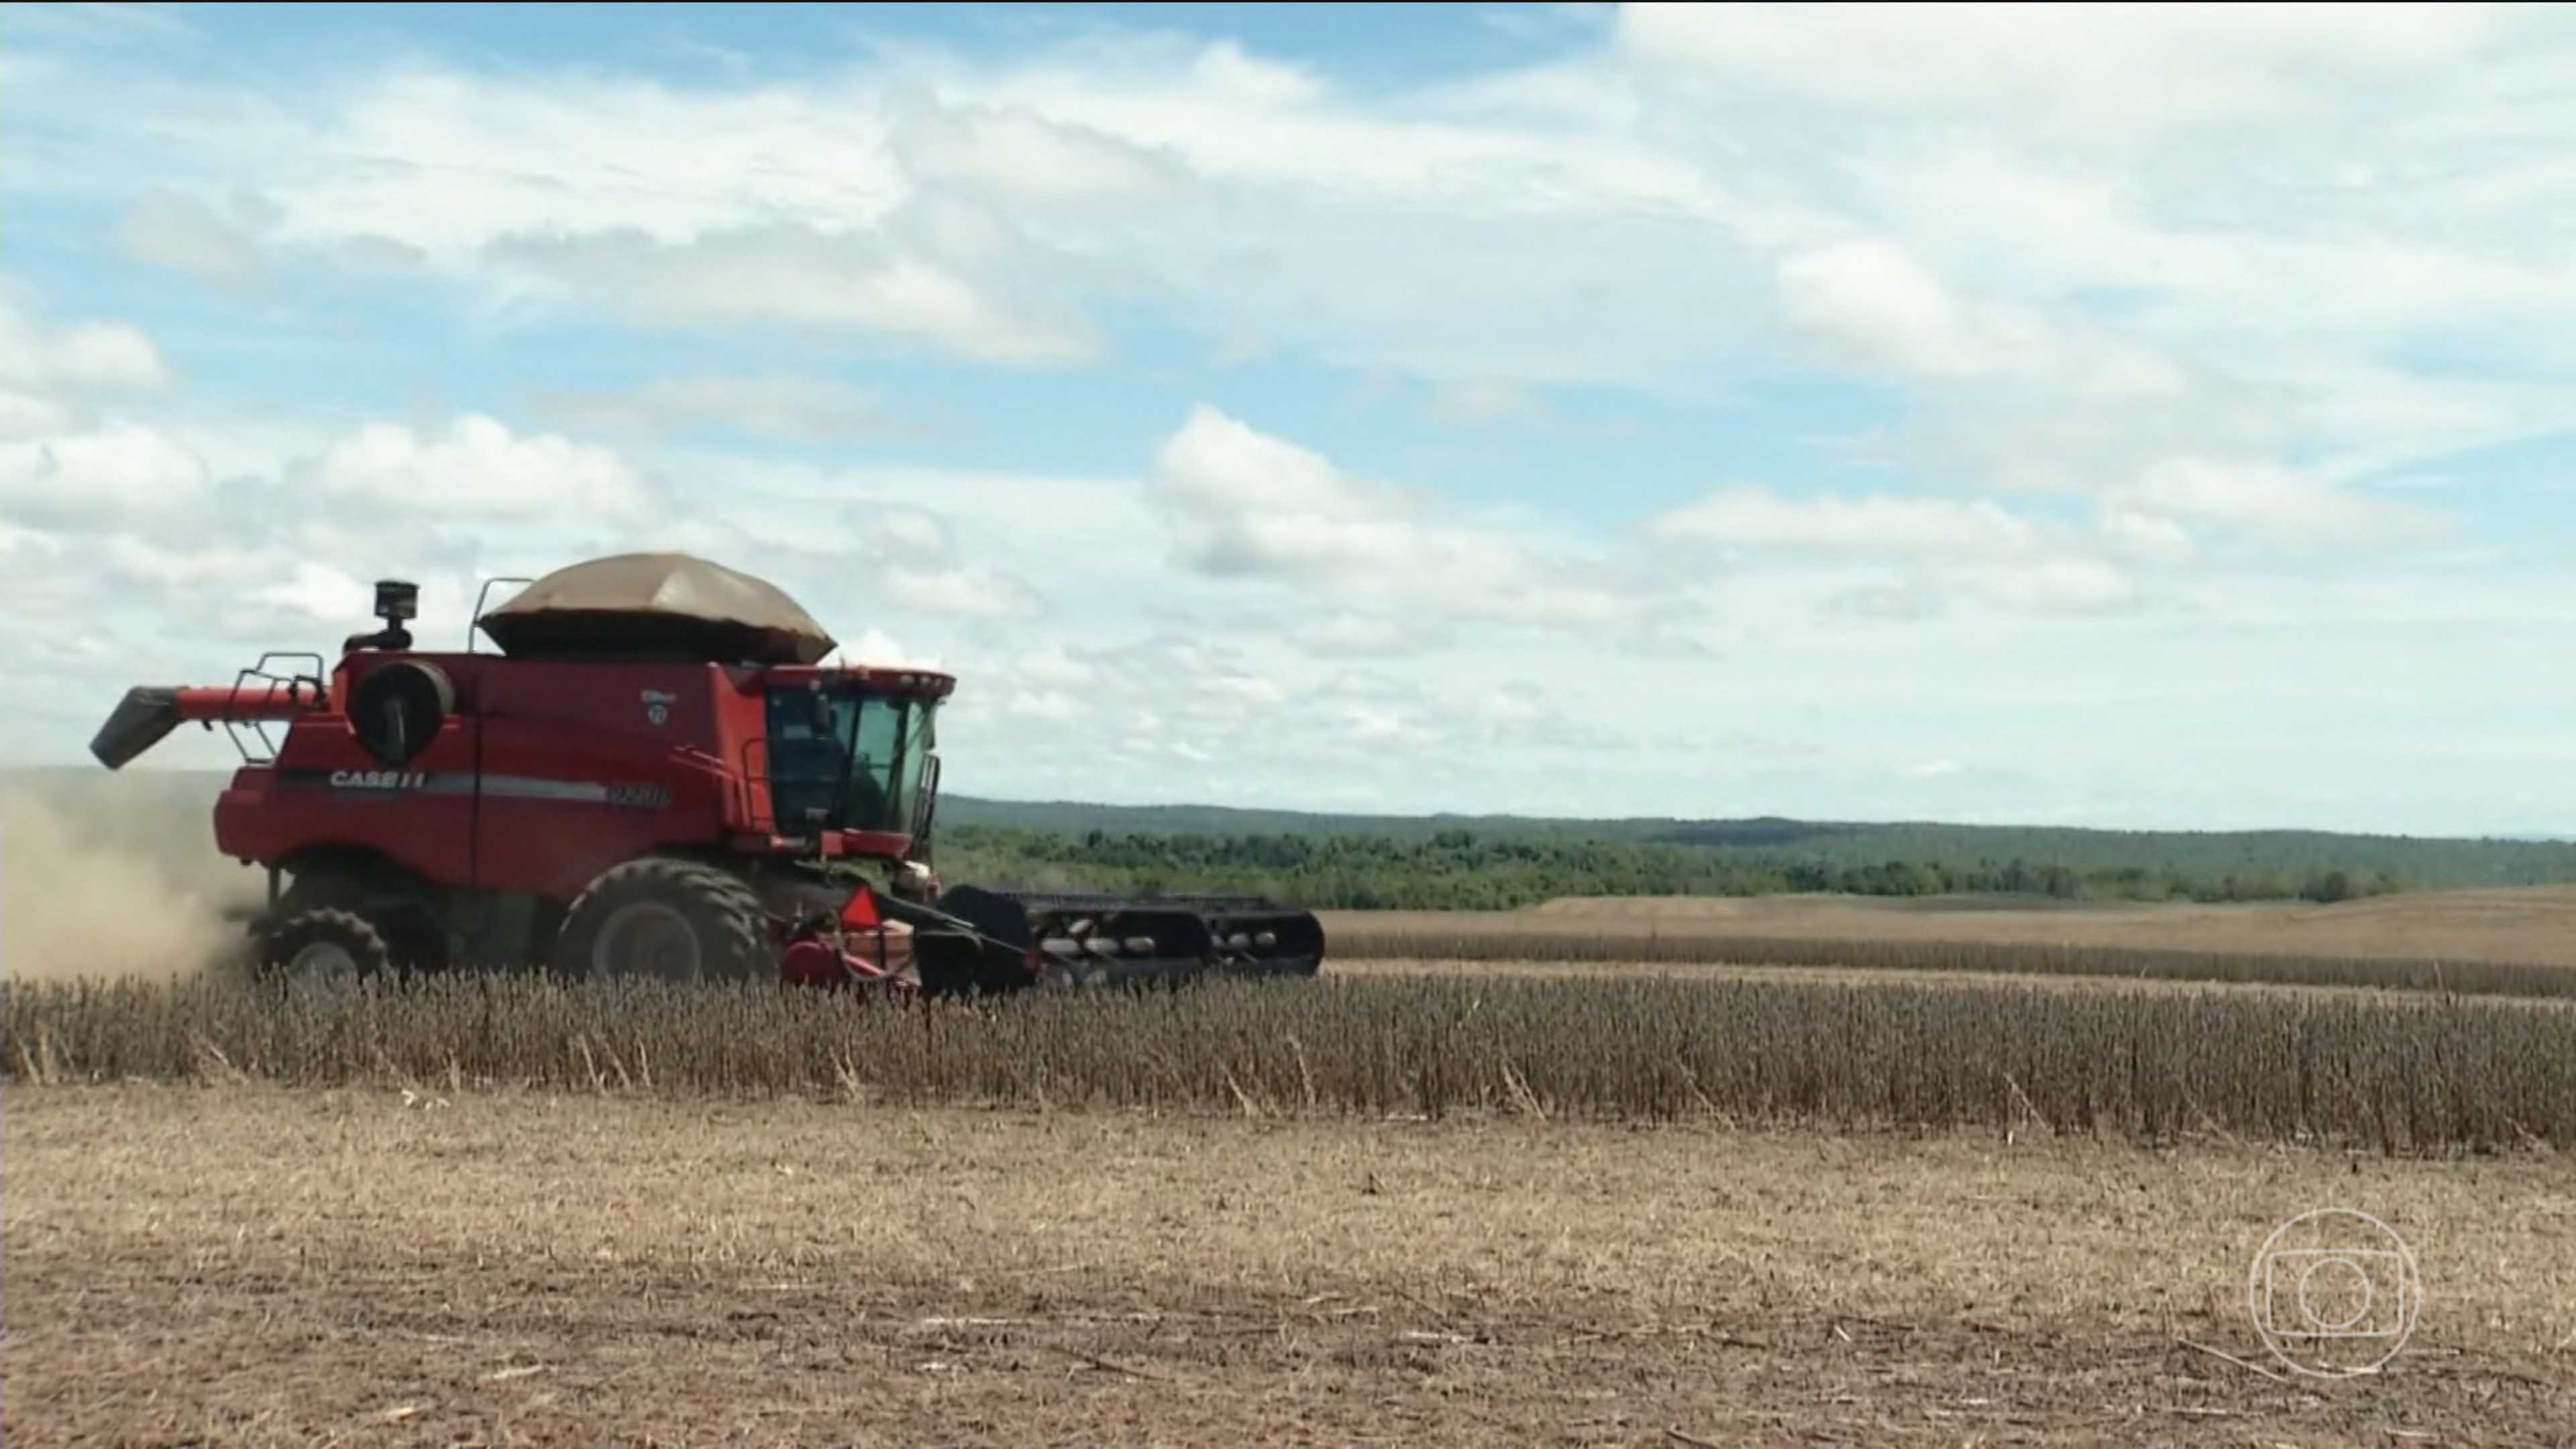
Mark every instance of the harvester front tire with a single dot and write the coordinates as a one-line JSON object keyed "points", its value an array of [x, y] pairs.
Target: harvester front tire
{"points": [[408, 922], [676, 920], [324, 949]]}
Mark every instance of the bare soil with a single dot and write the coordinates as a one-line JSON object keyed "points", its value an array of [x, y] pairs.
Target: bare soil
{"points": [[237, 1265], [2536, 923]]}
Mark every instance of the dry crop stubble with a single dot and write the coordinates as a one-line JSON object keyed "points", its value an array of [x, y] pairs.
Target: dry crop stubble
{"points": [[1506, 945], [1484, 968], [2516, 923], [2393, 1071], [2518, 941], [249, 1265]]}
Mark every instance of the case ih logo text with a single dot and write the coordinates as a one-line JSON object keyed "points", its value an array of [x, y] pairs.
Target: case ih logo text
{"points": [[377, 779]]}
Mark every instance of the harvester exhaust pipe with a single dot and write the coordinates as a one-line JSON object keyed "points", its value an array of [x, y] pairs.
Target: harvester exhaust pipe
{"points": [[149, 712]]}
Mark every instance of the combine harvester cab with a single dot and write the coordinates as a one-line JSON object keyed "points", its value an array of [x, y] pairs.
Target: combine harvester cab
{"points": [[658, 774]]}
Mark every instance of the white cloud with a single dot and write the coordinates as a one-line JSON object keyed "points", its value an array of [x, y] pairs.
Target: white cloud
{"points": [[780, 406], [117, 474], [1249, 505], [961, 592], [1760, 519], [1975, 546], [1010, 154], [2098, 67], [36, 585], [449, 162], [81, 358], [877, 552], [844, 205], [1249, 688], [2132, 306], [2073, 585], [1055, 710], [875, 647], [102, 25], [25, 415], [1233, 118], [1054, 669], [1045, 706], [906, 529], [1873, 304], [1218, 465], [2353, 272], [667, 207], [67, 461], [804, 279], [184, 235], [2275, 503], [1386, 726], [990, 208], [1364, 636], [2038, 563], [1876, 306], [2148, 536], [320, 595], [481, 469], [1480, 401]]}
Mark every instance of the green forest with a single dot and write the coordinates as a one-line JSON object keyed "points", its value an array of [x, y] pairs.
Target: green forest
{"points": [[1363, 863]]}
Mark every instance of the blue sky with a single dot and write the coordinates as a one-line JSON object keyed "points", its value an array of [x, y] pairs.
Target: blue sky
{"points": [[2110, 416]]}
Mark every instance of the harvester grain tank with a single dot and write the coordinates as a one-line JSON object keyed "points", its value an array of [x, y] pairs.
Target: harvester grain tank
{"points": [[656, 774]]}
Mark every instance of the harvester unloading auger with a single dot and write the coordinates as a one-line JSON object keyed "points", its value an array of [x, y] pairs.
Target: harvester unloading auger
{"points": [[655, 775]]}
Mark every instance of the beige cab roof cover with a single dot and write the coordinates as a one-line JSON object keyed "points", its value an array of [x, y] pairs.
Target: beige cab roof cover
{"points": [[658, 605]]}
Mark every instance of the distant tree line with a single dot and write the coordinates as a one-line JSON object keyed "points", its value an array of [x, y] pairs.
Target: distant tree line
{"points": [[1461, 869]]}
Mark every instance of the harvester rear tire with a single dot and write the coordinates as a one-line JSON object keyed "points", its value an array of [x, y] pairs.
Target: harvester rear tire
{"points": [[324, 949], [677, 920]]}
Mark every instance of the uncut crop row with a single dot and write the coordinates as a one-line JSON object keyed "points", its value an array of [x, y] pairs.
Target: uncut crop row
{"points": [[2399, 1073], [2019, 958]]}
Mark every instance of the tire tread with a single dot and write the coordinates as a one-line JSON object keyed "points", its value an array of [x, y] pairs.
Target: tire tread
{"points": [[695, 888]]}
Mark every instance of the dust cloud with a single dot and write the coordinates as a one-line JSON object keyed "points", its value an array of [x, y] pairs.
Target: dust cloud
{"points": [[108, 877]]}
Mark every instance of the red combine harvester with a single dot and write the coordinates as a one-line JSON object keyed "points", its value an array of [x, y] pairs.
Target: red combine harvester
{"points": [[656, 775]]}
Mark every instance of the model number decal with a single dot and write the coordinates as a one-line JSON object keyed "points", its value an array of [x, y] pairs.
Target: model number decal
{"points": [[639, 797]]}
